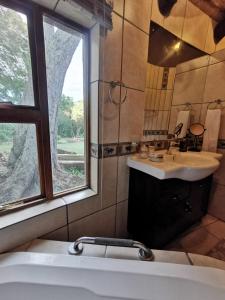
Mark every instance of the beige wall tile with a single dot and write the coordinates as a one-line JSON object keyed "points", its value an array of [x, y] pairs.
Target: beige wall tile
{"points": [[132, 116], [173, 118], [60, 234], [215, 82], [121, 219], [101, 223], [175, 21], [193, 64], [195, 113], [109, 181], [135, 49], [189, 86], [210, 46], [217, 201], [159, 120], [171, 78], [219, 175], [157, 100], [154, 76], [118, 6], [195, 18], [222, 126], [165, 120], [110, 58], [138, 12], [83, 208], [217, 57], [162, 100], [156, 16], [123, 179], [168, 100], [44, 246], [220, 45], [108, 114], [148, 76], [159, 78], [20, 233]]}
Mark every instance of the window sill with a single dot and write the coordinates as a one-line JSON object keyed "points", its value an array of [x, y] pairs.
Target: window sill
{"points": [[33, 211]]}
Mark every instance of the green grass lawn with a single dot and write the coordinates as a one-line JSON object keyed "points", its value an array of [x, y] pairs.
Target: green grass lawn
{"points": [[74, 147], [5, 148]]}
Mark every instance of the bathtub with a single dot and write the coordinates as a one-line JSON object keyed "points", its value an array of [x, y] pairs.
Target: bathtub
{"points": [[35, 276]]}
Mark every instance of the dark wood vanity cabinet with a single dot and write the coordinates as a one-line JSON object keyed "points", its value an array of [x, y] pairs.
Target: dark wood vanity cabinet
{"points": [[158, 210]]}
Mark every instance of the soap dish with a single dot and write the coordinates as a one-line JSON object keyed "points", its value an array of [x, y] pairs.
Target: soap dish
{"points": [[156, 157]]}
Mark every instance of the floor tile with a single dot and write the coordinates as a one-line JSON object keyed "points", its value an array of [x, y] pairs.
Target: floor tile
{"points": [[218, 251], [207, 219], [199, 241], [217, 229]]}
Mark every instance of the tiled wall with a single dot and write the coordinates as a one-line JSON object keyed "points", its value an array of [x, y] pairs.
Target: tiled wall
{"points": [[199, 82], [158, 98], [122, 56]]}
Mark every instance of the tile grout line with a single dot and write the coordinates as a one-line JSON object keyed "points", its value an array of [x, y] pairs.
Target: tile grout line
{"points": [[189, 259]]}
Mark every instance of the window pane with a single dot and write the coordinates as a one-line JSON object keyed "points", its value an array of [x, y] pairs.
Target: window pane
{"points": [[19, 173], [15, 62], [64, 60]]}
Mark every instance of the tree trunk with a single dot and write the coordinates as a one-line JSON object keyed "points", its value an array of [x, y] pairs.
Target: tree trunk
{"points": [[22, 178]]}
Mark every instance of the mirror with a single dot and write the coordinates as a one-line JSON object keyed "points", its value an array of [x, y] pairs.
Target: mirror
{"points": [[182, 63], [197, 129]]}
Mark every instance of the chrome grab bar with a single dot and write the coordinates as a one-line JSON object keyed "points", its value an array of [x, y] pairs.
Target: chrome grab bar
{"points": [[144, 252]]}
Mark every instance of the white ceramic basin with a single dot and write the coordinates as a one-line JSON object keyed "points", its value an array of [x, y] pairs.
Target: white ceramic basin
{"points": [[37, 276], [190, 166]]}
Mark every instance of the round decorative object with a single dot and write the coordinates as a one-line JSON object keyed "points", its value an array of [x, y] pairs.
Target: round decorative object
{"points": [[197, 129]]}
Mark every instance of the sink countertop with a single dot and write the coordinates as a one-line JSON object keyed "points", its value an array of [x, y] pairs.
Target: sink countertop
{"points": [[190, 166]]}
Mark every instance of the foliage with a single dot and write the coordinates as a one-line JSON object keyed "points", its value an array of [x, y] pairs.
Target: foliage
{"points": [[14, 56], [6, 132], [76, 172], [70, 118]]}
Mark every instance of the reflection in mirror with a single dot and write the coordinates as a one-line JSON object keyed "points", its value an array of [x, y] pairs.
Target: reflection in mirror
{"points": [[185, 69], [197, 129]]}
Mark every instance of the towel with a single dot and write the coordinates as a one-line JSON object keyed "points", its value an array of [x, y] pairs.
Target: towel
{"points": [[212, 126], [184, 118]]}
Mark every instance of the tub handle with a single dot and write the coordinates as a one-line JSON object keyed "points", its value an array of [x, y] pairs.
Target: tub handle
{"points": [[76, 248]]}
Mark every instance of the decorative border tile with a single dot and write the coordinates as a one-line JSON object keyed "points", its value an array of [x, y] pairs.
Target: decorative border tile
{"points": [[155, 132], [126, 148], [109, 150]]}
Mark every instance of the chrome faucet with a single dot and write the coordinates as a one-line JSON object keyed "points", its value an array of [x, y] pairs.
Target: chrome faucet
{"points": [[144, 252]]}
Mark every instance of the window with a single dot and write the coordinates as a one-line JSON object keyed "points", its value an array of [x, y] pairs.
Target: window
{"points": [[43, 104], [64, 51]]}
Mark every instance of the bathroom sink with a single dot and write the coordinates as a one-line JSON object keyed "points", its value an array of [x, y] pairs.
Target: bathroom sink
{"points": [[190, 166]]}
